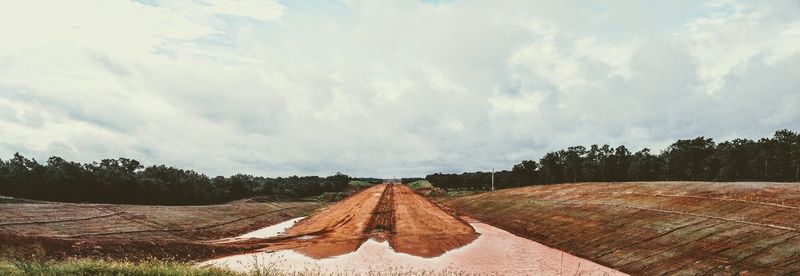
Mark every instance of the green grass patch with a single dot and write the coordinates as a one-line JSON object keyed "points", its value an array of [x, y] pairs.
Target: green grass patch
{"points": [[420, 184], [163, 268], [100, 267]]}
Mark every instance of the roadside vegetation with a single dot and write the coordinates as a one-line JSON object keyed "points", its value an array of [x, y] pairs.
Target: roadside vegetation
{"points": [[420, 184], [775, 159], [101, 267], [165, 268]]}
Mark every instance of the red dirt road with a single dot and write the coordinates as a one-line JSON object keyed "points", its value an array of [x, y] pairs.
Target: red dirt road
{"points": [[410, 222]]}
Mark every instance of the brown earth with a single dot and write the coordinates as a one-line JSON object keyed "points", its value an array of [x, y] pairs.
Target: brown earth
{"points": [[411, 223], [134, 232], [655, 228]]}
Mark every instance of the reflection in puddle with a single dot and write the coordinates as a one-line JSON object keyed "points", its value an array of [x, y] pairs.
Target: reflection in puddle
{"points": [[411, 223], [495, 251]]}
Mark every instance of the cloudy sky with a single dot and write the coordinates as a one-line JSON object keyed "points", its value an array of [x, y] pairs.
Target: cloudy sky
{"points": [[387, 88]]}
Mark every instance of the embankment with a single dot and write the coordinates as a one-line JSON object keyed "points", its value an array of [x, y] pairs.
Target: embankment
{"points": [[132, 232], [657, 228]]}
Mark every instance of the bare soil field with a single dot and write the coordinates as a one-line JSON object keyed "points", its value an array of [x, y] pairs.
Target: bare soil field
{"points": [[390, 229], [132, 232], [411, 223], [655, 228]]}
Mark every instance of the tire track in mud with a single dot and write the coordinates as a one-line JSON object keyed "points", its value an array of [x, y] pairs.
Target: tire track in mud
{"points": [[383, 220], [411, 223]]}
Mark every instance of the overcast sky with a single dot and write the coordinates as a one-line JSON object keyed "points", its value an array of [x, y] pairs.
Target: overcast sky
{"points": [[387, 88]]}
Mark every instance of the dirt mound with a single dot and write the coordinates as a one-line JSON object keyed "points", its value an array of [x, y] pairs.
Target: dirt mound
{"points": [[411, 223]]}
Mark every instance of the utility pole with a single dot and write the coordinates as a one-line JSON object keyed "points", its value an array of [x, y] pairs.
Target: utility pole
{"points": [[492, 179]]}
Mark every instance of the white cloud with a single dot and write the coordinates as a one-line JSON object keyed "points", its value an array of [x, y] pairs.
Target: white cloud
{"points": [[256, 9], [389, 91], [735, 32], [524, 103], [386, 88]]}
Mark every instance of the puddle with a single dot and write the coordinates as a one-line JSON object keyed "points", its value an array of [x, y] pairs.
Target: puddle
{"points": [[495, 251], [270, 231]]}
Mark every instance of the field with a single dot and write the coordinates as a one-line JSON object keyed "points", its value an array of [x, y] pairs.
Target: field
{"points": [[656, 228], [134, 232]]}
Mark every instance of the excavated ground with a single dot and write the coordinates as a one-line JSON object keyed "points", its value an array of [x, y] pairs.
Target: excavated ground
{"points": [[411, 223], [655, 228], [132, 232]]}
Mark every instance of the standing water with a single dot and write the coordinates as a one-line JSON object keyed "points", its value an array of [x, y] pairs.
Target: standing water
{"points": [[495, 251], [270, 231]]}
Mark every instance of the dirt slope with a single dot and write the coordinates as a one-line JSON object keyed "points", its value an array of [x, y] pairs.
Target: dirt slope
{"points": [[390, 212], [660, 228], [133, 231]]}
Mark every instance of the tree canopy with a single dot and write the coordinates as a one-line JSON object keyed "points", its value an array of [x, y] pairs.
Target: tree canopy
{"points": [[699, 159], [128, 181]]}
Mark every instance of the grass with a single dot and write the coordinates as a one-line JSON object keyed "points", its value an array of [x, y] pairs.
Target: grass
{"points": [[164, 268], [101, 267], [420, 184]]}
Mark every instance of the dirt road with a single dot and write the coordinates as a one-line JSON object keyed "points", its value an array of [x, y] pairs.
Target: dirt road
{"points": [[411, 223]]}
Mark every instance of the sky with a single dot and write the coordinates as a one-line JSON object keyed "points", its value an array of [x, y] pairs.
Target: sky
{"points": [[387, 88]]}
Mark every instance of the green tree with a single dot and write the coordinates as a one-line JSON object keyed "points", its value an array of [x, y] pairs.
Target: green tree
{"points": [[688, 159]]}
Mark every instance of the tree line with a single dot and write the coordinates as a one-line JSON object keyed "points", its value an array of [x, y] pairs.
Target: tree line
{"points": [[128, 181], [699, 159]]}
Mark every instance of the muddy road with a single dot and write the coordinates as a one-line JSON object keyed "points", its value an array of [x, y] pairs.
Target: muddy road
{"points": [[411, 224], [391, 230]]}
